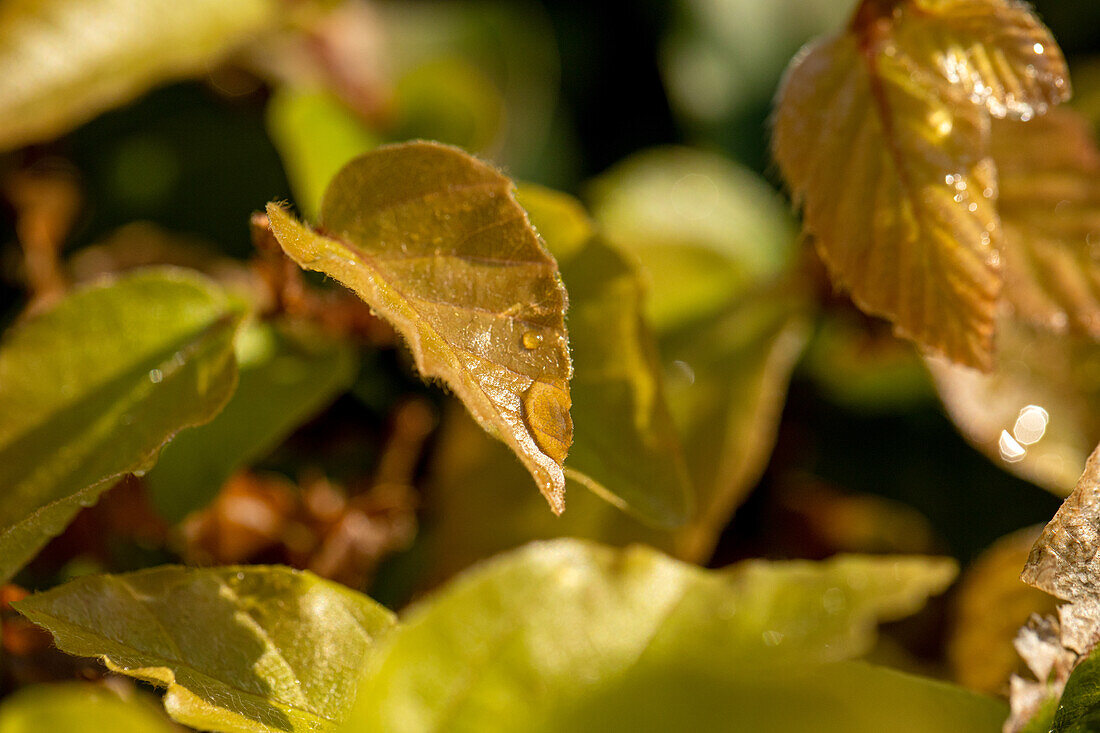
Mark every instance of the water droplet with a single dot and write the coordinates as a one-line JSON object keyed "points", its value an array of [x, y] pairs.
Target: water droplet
{"points": [[973, 207], [1011, 450], [155, 376], [1031, 425], [532, 340], [772, 638], [1038, 48]]}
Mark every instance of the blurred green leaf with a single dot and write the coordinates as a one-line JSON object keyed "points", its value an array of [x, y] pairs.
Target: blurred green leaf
{"points": [[546, 637], [92, 389], [64, 61], [625, 447], [78, 706], [238, 649], [435, 242], [728, 376], [316, 136], [449, 100], [288, 373], [703, 228]]}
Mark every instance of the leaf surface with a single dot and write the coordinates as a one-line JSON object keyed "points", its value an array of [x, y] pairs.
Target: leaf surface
{"points": [[78, 706], [896, 110], [625, 445], [92, 389], [1036, 413], [543, 638], [64, 61], [238, 649], [435, 242], [1050, 207], [288, 373]]}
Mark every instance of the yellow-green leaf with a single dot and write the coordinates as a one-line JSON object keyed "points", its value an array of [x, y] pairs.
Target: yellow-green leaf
{"points": [[316, 136], [542, 638], [64, 61], [883, 135], [1050, 207], [1037, 414], [703, 229], [435, 242], [288, 373], [256, 648], [78, 706], [92, 389], [625, 445]]}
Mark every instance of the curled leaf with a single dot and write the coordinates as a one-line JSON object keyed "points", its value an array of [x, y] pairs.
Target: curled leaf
{"points": [[263, 649], [435, 242], [896, 109]]}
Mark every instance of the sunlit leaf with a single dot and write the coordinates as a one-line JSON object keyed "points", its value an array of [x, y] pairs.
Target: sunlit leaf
{"points": [[896, 110], [625, 446], [78, 706], [92, 389], [64, 61], [543, 638], [435, 242], [238, 649], [992, 603], [702, 228], [288, 374], [1036, 414], [728, 379], [316, 135], [1049, 171]]}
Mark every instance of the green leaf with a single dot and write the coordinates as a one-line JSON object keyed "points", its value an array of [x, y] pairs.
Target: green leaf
{"points": [[703, 229], [239, 649], [288, 374], [78, 706], [1049, 172], [316, 136], [434, 241], [64, 61], [625, 447], [727, 387], [897, 108], [545, 637], [92, 389], [1079, 709]]}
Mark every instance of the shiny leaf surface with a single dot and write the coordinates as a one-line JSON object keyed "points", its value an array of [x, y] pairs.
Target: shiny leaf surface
{"points": [[92, 389], [238, 649], [435, 242], [543, 638], [64, 61], [288, 374]]}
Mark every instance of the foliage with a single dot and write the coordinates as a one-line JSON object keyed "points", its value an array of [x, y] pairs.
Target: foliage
{"points": [[261, 405]]}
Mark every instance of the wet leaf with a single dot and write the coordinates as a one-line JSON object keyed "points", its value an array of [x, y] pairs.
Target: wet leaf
{"points": [[78, 706], [546, 637], [703, 229], [288, 373], [238, 649], [64, 61], [625, 445], [92, 389], [435, 242], [1035, 414], [316, 136], [896, 108], [728, 378], [1050, 206]]}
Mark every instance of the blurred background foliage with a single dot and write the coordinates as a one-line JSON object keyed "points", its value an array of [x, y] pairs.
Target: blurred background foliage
{"points": [[655, 115]]}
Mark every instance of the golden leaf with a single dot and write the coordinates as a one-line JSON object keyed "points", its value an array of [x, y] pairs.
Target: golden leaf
{"points": [[435, 242]]}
